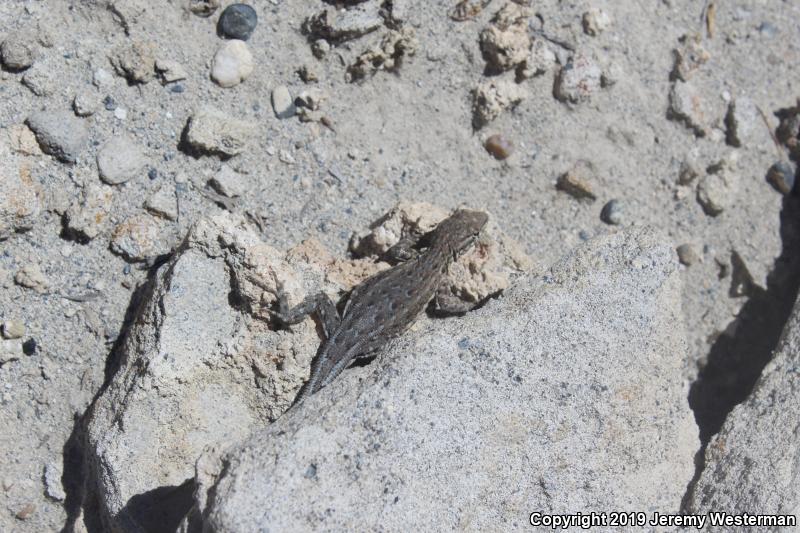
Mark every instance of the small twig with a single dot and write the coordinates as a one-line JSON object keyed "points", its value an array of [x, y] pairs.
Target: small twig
{"points": [[774, 137]]}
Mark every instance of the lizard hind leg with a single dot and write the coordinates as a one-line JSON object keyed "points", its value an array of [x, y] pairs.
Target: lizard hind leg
{"points": [[318, 303]]}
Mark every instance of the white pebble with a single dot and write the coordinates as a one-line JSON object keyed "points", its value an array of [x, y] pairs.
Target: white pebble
{"points": [[233, 63]]}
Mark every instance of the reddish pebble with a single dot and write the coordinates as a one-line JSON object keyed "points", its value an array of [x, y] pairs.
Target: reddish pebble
{"points": [[25, 512], [499, 146]]}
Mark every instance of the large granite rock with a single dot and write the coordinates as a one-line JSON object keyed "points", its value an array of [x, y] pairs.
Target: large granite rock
{"points": [[566, 394], [753, 463]]}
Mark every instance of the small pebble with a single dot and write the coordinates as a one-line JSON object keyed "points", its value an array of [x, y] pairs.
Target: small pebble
{"points": [[767, 29], [32, 277], [26, 512], [152, 174], [237, 21], [613, 213], [320, 48], [177, 89], [233, 63], [59, 133], [686, 254], [228, 182], [84, 104], [109, 103], [781, 176], [499, 146], [282, 102], [170, 71], [102, 78], [16, 52], [595, 21], [575, 182], [120, 113], [52, 482], [13, 329], [120, 159], [203, 8]]}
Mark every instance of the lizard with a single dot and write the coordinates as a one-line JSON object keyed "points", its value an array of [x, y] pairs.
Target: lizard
{"points": [[386, 304]]}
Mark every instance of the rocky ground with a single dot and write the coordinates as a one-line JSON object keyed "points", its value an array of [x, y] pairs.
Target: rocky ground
{"points": [[163, 167]]}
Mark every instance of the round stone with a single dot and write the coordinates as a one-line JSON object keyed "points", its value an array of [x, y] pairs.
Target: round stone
{"points": [[613, 213], [499, 146], [238, 21], [232, 64]]}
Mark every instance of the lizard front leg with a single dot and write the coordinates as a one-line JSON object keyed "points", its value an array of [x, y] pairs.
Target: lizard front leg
{"points": [[447, 303], [318, 303]]}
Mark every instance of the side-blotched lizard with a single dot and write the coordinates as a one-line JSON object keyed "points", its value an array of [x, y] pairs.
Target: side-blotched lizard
{"points": [[386, 304]]}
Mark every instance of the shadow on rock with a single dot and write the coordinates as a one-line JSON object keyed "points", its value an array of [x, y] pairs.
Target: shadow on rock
{"points": [[741, 352], [159, 510], [75, 468]]}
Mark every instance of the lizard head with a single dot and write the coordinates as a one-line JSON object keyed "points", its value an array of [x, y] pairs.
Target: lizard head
{"points": [[458, 231]]}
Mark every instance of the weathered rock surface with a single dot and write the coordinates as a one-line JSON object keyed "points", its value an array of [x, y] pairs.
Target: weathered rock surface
{"points": [[752, 463], [211, 131], [566, 394], [120, 159], [59, 133], [20, 196]]}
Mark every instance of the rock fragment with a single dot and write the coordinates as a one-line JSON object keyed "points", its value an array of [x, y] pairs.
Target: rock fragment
{"points": [[577, 181], [203, 8], [782, 176], [135, 61], [13, 329], [59, 133], [163, 202], [578, 80], [689, 57], [84, 104], [689, 170], [39, 79], [505, 43], [10, 350], [233, 64], [716, 191], [53, 487], [17, 51], [120, 159], [211, 131], [282, 102], [499, 146], [493, 96], [687, 254], [613, 213], [31, 276], [743, 124], [20, 197], [388, 55], [343, 25], [22, 140], [237, 21], [687, 105], [140, 237], [228, 182], [595, 21], [170, 71], [87, 217]]}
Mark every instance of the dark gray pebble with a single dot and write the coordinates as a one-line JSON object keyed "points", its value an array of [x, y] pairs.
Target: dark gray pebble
{"points": [[237, 22], [152, 174], [613, 213], [177, 88], [109, 103], [781, 175]]}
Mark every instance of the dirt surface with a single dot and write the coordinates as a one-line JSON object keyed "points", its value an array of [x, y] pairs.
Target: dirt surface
{"points": [[595, 102]]}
